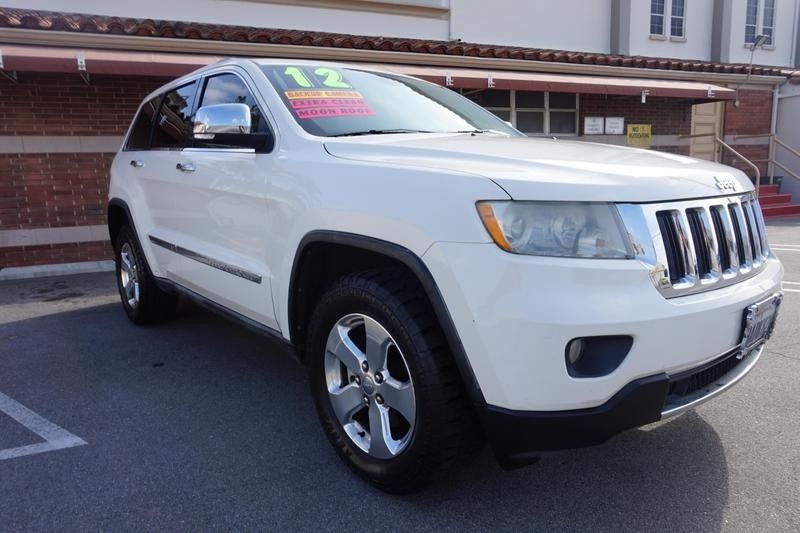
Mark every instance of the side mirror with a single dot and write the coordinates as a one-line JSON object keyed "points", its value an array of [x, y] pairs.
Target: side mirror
{"points": [[227, 127], [222, 118]]}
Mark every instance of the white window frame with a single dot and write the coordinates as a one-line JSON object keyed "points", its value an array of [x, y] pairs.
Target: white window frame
{"points": [[759, 26], [512, 111], [666, 25]]}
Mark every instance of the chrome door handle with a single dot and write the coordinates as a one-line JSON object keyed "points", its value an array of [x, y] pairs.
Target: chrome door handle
{"points": [[185, 167], [137, 163]]}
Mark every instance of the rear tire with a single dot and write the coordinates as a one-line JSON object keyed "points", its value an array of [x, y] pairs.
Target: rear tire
{"points": [[390, 309], [144, 302]]}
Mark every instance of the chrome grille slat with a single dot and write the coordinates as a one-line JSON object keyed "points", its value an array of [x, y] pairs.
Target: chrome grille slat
{"points": [[753, 229], [705, 244], [698, 245], [742, 237], [728, 257], [686, 247]]}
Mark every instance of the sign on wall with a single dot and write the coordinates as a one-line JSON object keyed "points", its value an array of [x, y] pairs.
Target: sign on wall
{"points": [[593, 125], [615, 126], [640, 135]]}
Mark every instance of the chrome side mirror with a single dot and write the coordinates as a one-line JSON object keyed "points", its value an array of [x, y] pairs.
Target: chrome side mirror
{"points": [[222, 118]]}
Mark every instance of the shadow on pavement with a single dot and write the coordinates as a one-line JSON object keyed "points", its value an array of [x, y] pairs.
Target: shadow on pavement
{"points": [[202, 423]]}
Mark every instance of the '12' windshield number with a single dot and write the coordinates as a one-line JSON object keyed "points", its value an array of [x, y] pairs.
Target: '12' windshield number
{"points": [[330, 77]]}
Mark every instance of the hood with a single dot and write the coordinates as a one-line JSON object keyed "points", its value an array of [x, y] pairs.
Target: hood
{"points": [[550, 169]]}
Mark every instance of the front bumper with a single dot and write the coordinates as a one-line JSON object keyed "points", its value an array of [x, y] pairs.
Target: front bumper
{"points": [[515, 315], [517, 437]]}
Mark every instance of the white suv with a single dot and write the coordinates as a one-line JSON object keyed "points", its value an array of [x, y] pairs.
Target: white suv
{"points": [[444, 278]]}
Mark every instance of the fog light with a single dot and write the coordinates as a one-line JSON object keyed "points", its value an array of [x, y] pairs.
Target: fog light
{"points": [[591, 357], [575, 350]]}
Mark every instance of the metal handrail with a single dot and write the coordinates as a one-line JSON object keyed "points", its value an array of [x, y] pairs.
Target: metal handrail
{"points": [[731, 150], [773, 140]]}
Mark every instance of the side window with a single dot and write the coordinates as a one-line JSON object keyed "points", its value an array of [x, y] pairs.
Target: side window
{"points": [[230, 89], [139, 139], [174, 123]]}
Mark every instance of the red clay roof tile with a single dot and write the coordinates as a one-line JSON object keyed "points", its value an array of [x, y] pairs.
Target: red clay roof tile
{"points": [[73, 22]]}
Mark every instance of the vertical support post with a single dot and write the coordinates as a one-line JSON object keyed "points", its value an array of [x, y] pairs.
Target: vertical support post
{"points": [[771, 158]]}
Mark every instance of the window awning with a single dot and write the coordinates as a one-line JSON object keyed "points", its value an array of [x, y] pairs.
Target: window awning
{"points": [[110, 62], [100, 62], [567, 83]]}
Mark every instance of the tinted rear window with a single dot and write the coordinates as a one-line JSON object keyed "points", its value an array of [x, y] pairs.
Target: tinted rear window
{"points": [[139, 138]]}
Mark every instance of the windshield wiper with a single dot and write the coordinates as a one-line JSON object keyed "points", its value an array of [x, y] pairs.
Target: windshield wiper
{"points": [[479, 131], [378, 132]]}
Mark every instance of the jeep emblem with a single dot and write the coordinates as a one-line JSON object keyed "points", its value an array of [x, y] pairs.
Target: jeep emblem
{"points": [[725, 184]]}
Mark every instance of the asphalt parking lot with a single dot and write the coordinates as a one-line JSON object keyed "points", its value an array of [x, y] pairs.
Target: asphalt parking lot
{"points": [[200, 424]]}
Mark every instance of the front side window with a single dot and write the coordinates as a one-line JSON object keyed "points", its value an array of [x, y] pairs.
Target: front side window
{"points": [[230, 89], [139, 139], [332, 102], [174, 123]]}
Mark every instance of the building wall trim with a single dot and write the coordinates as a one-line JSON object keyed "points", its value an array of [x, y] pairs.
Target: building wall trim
{"points": [[59, 144]]}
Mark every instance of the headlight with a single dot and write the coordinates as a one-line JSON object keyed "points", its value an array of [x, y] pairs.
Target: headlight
{"points": [[558, 229]]}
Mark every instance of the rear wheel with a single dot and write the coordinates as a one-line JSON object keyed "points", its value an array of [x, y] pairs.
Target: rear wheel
{"points": [[144, 302], [384, 383]]}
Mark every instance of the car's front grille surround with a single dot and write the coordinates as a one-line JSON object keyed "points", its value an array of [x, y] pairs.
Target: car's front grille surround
{"points": [[698, 245]]}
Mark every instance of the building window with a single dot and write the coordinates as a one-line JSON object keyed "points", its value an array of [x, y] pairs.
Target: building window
{"points": [[768, 21], [533, 112], [760, 14], [677, 19], [657, 13]]}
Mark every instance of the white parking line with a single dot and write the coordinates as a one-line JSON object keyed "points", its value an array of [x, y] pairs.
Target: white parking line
{"points": [[785, 249], [56, 438]]}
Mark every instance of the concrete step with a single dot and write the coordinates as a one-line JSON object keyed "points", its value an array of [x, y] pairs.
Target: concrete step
{"points": [[772, 199], [768, 189], [781, 210]]}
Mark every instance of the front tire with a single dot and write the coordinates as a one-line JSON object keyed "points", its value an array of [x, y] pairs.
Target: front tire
{"points": [[384, 383], [144, 302]]}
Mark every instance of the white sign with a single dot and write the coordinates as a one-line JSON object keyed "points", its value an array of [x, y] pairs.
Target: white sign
{"points": [[592, 125], [615, 126]]}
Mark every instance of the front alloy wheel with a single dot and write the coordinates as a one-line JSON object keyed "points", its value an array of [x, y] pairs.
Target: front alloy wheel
{"points": [[369, 386], [129, 275], [384, 383]]}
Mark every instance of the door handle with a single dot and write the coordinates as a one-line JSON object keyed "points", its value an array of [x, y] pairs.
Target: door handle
{"points": [[185, 167], [137, 163]]}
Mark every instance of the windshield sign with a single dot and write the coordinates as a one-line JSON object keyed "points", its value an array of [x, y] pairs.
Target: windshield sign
{"points": [[333, 102]]}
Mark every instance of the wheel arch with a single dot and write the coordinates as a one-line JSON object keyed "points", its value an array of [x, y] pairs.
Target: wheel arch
{"points": [[119, 214], [309, 278]]}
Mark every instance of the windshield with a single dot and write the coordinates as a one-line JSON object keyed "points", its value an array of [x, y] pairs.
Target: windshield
{"points": [[333, 102]]}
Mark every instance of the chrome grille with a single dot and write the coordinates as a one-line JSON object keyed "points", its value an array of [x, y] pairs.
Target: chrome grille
{"points": [[698, 245]]}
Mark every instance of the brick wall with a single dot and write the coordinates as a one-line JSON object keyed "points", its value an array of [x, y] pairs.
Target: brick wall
{"points": [[59, 104], [753, 115], [53, 190], [56, 253], [61, 189], [667, 116]]}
